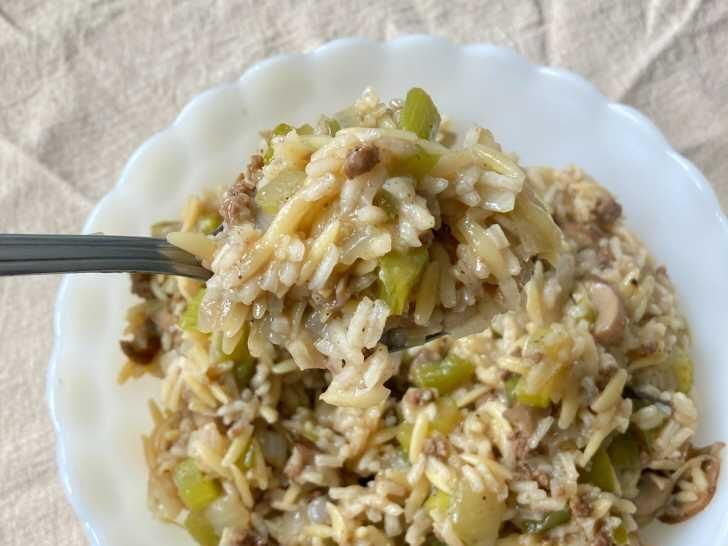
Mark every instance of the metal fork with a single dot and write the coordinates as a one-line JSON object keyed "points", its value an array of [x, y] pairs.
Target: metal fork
{"points": [[40, 254]]}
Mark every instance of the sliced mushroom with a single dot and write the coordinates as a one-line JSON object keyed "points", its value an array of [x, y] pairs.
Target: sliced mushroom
{"points": [[654, 493], [145, 344], [141, 285], [360, 160], [607, 211], [611, 316], [708, 458]]}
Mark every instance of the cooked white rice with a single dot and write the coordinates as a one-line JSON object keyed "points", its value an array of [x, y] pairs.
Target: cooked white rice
{"points": [[567, 420]]}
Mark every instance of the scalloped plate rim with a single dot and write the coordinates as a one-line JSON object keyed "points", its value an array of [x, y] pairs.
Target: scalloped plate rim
{"points": [[564, 76]]}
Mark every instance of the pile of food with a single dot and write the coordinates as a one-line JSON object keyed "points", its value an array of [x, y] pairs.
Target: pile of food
{"points": [[289, 413]]}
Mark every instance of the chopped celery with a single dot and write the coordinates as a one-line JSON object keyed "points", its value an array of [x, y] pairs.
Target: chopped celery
{"points": [[240, 351], [243, 371], [682, 367], [247, 454], [268, 154], [194, 488], [387, 202], [476, 517], [398, 273], [417, 165], [445, 375], [244, 363], [404, 435], [277, 191], [601, 473], [332, 126], [510, 387], [624, 453], [552, 520], [188, 320], [419, 114], [439, 501], [282, 129], [201, 529], [448, 416], [620, 536], [209, 222], [542, 398]]}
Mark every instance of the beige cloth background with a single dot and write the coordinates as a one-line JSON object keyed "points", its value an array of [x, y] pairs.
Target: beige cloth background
{"points": [[83, 83]]}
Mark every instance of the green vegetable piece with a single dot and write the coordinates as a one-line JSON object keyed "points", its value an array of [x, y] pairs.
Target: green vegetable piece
{"points": [[275, 193], [268, 154], [209, 222], [624, 453], [243, 371], [510, 388], [404, 435], [419, 114], [282, 129], [188, 320], [476, 517], [541, 399], [194, 488], [448, 416], [445, 375], [601, 473], [417, 165], [388, 203], [552, 520], [682, 367], [439, 501], [620, 536], [398, 273], [244, 363], [332, 126], [532, 399], [240, 351], [201, 529]]}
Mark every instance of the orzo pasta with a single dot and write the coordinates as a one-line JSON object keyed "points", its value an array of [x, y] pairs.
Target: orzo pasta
{"points": [[285, 419]]}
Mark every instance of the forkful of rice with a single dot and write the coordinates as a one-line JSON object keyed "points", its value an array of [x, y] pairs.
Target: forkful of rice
{"points": [[344, 243]]}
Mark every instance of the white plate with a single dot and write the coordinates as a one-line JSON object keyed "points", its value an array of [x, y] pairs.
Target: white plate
{"points": [[547, 116]]}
